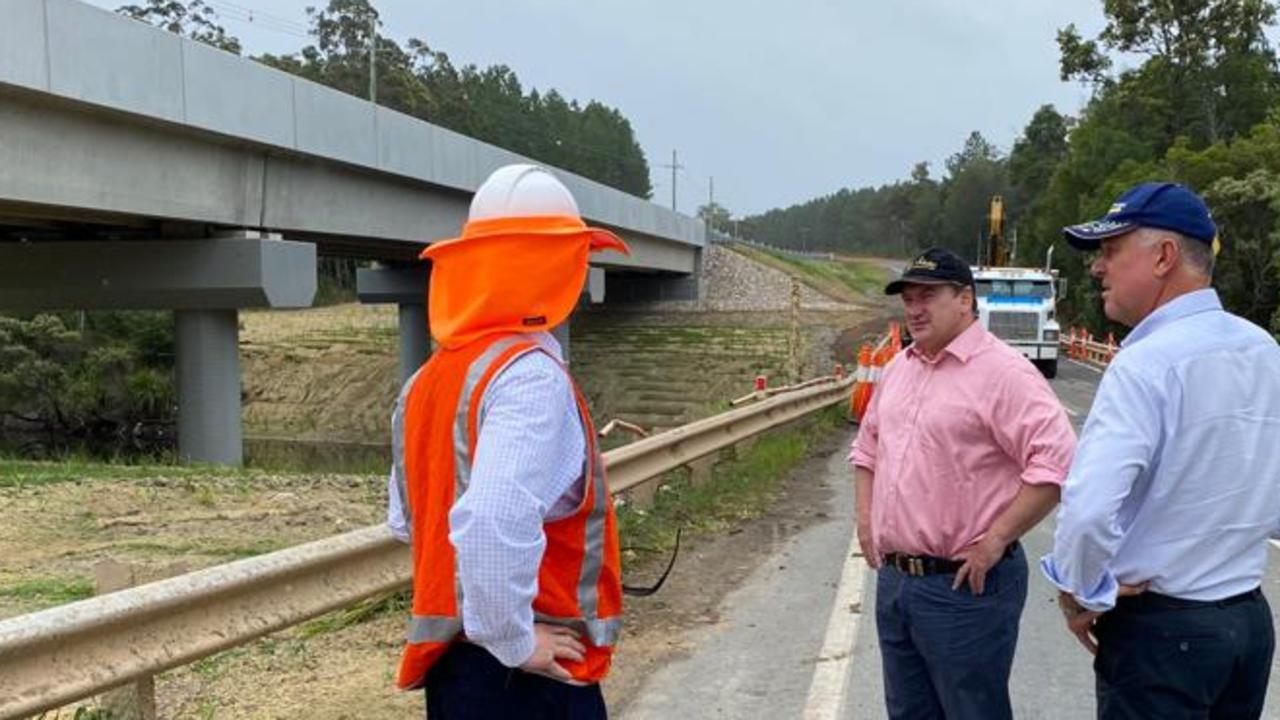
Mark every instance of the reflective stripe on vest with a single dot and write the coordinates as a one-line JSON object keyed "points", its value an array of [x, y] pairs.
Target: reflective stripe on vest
{"points": [[397, 447]]}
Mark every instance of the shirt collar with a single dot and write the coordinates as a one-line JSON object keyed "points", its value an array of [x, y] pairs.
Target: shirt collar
{"points": [[1186, 305], [962, 347], [548, 342]]}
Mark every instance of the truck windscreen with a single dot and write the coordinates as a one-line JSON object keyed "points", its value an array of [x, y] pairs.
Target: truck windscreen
{"points": [[1014, 288]]}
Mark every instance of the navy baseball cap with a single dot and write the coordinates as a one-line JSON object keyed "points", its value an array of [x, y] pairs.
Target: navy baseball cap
{"points": [[934, 266], [1164, 205]]}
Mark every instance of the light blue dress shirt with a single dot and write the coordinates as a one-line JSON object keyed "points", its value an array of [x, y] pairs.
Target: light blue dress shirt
{"points": [[527, 470], [1176, 480]]}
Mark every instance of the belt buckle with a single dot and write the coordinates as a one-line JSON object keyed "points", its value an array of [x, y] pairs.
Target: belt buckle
{"points": [[916, 567]]}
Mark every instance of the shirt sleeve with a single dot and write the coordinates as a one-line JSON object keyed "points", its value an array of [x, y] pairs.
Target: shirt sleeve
{"points": [[524, 462], [1119, 441], [1030, 425], [866, 444], [397, 519]]}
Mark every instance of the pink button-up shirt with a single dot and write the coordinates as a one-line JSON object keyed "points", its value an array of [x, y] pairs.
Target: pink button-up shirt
{"points": [[951, 439]]}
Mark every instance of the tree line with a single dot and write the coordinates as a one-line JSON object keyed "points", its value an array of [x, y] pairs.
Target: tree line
{"points": [[1201, 107]]}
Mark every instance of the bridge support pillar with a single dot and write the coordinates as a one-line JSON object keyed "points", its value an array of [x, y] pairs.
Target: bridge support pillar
{"points": [[406, 286], [208, 372]]}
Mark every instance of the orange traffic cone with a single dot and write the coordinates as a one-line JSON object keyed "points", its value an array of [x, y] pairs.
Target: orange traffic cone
{"points": [[861, 384], [895, 339], [878, 360]]}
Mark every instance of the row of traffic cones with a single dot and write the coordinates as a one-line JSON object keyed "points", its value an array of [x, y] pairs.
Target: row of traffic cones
{"points": [[871, 363]]}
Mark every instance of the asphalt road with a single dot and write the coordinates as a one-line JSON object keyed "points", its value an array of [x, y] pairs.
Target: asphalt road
{"points": [[795, 643]]}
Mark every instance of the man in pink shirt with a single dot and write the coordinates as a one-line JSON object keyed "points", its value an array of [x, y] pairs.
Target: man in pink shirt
{"points": [[963, 449]]}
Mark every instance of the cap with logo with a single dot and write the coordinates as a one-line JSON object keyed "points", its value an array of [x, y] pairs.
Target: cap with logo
{"points": [[1163, 205], [935, 266]]}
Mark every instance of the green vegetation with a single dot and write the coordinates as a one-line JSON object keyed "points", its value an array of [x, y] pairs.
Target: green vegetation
{"points": [[842, 278], [20, 473], [741, 488], [395, 603], [1201, 107], [49, 591], [89, 376]]}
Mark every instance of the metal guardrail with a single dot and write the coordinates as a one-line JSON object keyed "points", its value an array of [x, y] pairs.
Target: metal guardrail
{"points": [[723, 239], [58, 656]]}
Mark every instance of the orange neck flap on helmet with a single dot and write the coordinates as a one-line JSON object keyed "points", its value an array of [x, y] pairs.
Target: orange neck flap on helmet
{"points": [[519, 274]]}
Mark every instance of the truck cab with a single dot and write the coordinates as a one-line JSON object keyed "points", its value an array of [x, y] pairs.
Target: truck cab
{"points": [[1017, 306]]}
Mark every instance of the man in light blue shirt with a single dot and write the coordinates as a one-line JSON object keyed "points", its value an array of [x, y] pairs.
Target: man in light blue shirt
{"points": [[1161, 538]]}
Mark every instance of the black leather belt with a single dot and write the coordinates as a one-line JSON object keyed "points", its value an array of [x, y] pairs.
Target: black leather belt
{"points": [[1154, 602], [920, 565]]}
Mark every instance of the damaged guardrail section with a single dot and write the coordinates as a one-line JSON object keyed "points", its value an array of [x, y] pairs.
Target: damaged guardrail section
{"points": [[67, 653]]}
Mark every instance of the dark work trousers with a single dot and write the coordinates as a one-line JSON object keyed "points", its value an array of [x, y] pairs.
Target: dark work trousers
{"points": [[470, 684], [948, 653], [1160, 657]]}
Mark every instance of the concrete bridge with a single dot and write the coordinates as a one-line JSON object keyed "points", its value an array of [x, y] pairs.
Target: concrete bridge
{"points": [[142, 170]]}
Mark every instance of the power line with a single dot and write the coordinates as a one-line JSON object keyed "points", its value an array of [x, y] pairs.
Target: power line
{"points": [[257, 20], [258, 14]]}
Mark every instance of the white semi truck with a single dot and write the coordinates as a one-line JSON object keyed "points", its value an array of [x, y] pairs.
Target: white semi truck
{"points": [[1017, 304]]}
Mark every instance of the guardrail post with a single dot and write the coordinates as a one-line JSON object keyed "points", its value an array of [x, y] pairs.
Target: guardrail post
{"points": [[641, 496], [136, 701], [700, 469]]}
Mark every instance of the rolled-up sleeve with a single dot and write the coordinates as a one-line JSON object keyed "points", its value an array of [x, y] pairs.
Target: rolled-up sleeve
{"points": [[1031, 427], [866, 444], [1119, 440]]}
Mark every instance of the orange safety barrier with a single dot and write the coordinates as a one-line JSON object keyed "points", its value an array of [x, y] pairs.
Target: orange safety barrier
{"points": [[861, 395]]}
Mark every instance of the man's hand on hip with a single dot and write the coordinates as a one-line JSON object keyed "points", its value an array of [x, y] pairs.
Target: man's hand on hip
{"points": [[1080, 620], [981, 555], [554, 643], [868, 547]]}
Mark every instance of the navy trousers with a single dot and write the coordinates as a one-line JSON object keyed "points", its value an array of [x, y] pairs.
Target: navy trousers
{"points": [[1161, 657], [470, 684], [948, 653]]}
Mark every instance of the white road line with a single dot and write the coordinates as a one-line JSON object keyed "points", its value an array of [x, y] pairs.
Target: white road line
{"points": [[831, 672], [1070, 411], [1276, 543]]}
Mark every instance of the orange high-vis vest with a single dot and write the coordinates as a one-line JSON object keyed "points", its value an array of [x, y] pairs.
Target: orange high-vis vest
{"points": [[579, 581]]}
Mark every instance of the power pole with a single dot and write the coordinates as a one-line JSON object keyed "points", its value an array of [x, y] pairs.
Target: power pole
{"points": [[675, 165], [373, 58], [711, 202]]}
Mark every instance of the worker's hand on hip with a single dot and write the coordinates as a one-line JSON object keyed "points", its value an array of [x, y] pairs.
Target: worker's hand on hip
{"points": [[868, 546], [979, 557], [553, 644]]}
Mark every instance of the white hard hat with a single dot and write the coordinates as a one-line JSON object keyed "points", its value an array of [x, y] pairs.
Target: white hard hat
{"points": [[522, 191]]}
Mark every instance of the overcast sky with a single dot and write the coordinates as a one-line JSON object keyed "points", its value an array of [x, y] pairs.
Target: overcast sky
{"points": [[780, 102]]}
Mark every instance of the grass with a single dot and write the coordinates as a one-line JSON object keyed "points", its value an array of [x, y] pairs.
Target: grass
{"points": [[740, 488], [845, 279], [49, 591], [24, 473], [396, 603]]}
